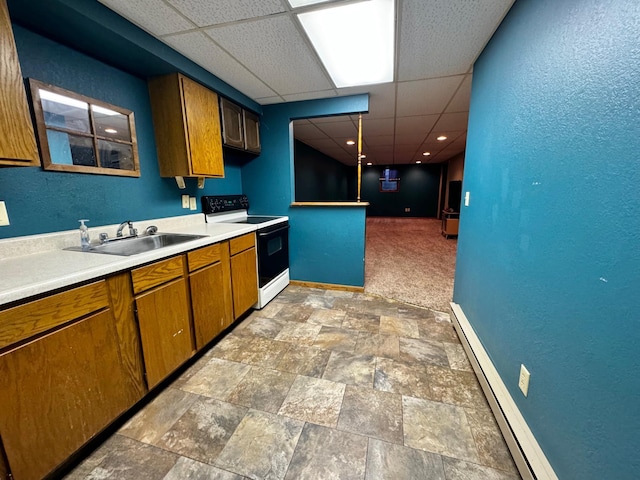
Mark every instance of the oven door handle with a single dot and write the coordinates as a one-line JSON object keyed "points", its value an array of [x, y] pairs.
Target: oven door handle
{"points": [[272, 232]]}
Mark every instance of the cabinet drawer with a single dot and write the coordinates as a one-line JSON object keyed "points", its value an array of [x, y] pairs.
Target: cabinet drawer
{"points": [[205, 256], [156, 274], [242, 243], [21, 322]]}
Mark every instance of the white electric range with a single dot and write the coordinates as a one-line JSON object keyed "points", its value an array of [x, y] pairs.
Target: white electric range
{"points": [[272, 241]]}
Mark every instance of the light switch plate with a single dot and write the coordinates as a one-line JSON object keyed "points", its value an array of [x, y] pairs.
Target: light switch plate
{"points": [[466, 199], [4, 216], [192, 203], [523, 381], [185, 201]]}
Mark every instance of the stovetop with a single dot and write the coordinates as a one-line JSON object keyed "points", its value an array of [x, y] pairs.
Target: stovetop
{"points": [[233, 209], [254, 219]]}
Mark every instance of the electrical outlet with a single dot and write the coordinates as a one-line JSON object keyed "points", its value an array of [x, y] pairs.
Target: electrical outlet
{"points": [[407, 210], [185, 201], [4, 216], [192, 203], [523, 381]]}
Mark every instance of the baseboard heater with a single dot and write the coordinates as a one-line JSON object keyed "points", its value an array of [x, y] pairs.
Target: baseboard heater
{"points": [[527, 454]]}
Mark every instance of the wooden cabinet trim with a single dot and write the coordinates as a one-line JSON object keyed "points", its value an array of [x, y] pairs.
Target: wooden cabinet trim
{"points": [[156, 274], [18, 140], [204, 256], [24, 321], [242, 243]]}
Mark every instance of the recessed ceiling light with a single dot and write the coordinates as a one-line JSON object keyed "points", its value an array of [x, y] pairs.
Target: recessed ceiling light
{"points": [[363, 155], [441, 138], [426, 154], [359, 46], [350, 142], [110, 130], [418, 161], [369, 163]]}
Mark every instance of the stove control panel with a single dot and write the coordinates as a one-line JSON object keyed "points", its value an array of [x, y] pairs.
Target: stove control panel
{"points": [[224, 203]]}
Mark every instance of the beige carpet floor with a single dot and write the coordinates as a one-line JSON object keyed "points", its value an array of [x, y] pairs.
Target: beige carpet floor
{"points": [[407, 259]]}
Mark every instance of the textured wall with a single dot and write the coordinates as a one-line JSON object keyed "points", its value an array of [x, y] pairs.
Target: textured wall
{"points": [[39, 201], [548, 265], [326, 244]]}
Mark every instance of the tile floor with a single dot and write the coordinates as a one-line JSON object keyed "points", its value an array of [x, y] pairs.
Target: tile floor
{"points": [[320, 384]]}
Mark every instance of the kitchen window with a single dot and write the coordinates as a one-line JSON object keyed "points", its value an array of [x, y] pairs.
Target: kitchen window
{"points": [[81, 134]]}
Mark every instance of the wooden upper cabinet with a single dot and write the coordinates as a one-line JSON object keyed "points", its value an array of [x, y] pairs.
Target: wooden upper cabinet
{"points": [[251, 132], [17, 140], [232, 131], [240, 128], [186, 121]]}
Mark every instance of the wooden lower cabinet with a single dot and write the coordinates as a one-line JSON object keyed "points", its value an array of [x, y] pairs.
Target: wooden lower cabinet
{"points": [[211, 301], [244, 277], [165, 329], [58, 391]]}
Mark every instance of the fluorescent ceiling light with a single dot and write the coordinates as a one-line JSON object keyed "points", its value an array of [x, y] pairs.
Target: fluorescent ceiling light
{"points": [[355, 42]]}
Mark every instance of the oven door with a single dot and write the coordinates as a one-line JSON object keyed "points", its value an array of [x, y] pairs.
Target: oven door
{"points": [[273, 251]]}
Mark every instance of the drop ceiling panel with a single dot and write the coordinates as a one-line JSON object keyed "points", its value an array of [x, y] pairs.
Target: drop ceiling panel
{"points": [[460, 101], [269, 100], [378, 140], [307, 131], [454, 32], [274, 51], [450, 122], [202, 50], [372, 126], [154, 16], [205, 12], [339, 129], [422, 97], [416, 125]]}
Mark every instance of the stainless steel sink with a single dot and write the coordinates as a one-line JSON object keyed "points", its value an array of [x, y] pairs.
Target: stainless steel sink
{"points": [[135, 245]]}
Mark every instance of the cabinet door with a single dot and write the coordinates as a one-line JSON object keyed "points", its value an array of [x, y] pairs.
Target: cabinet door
{"points": [[232, 130], [17, 140], [251, 132], [210, 302], [203, 129], [244, 278], [165, 333], [57, 392]]}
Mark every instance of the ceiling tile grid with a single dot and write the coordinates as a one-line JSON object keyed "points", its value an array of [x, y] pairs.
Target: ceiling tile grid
{"points": [[421, 97], [275, 52], [154, 16], [205, 13], [444, 37], [203, 51]]}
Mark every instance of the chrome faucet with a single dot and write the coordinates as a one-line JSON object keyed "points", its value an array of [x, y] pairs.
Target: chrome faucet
{"points": [[132, 231]]}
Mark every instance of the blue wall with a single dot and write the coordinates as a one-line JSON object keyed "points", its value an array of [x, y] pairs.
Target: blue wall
{"points": [[548, 265], [39, 201], [418, 191], [327, 244]]}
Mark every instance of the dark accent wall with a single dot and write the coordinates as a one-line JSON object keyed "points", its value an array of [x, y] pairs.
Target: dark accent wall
{"points": [[419, 188], [320, 178]]}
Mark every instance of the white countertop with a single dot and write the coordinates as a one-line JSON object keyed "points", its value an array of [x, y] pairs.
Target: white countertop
{"points": [[32, 274]]}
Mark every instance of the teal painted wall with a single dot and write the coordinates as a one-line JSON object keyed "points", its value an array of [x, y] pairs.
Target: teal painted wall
{"points": [[326, 244], [419, 187], [39, 201], [548, 264], [320, 178]]}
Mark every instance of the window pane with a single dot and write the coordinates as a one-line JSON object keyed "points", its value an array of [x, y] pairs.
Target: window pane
{"points": [[71, 149], [64, 112], [111, 124], [115, 155]]}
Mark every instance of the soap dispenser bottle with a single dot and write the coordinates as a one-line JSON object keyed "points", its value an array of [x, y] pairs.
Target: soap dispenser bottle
{"points": [[85, 241]]}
